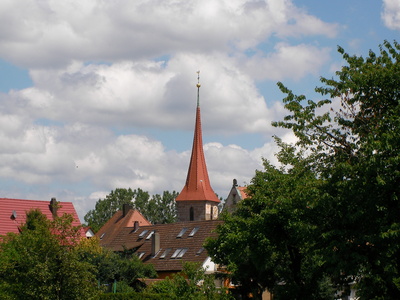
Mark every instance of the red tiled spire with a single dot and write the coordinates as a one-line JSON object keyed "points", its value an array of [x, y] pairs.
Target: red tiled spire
{"points": [[197, 185]]}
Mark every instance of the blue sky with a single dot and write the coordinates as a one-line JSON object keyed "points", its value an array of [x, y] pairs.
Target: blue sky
{"points": [[96, 95]]}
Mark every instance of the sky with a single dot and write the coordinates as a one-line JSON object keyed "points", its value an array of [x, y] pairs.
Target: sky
{"points": [[101, 94]]}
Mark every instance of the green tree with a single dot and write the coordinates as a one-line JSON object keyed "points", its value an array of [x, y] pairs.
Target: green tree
{"points": [[348, 148], [41, 263], [192, 283], [124, 269], [161, 209], [268, 243], [355, 149], [157, 209]]}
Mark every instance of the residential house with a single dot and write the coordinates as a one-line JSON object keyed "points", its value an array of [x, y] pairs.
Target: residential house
{"points": [[13, 212], [236, 194], [166, 246]]}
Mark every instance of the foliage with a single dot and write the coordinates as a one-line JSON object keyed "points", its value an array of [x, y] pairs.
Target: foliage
{"points": [[40, 262], [50, 260], [334, 203], [268, 242], [356, 151], [157, 209], [132, 296], [125, 269], [191, 283], [160, 209]]}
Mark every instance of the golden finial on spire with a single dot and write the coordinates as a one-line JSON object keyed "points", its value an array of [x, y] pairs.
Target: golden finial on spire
{"points": [[198, 88], [198, 79]]}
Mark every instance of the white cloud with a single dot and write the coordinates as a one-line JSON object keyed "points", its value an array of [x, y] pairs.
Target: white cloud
{"points": [[105, 73], [54, 32], [149, 94], [391, 14], [287, 62]]}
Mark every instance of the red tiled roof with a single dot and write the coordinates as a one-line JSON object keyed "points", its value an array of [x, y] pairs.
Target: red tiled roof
{"points": [[128, 238], [242, 190], [21, 207], [197, 185]]}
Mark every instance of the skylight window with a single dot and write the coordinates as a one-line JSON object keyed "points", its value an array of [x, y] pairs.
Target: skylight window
{"points": [[200, 251], [140, 254], [176, 253], [193, 232], [101, 237], [168, 250], [182, 253], [179, 252], [150, 234], [143, 233], [182, 232]]}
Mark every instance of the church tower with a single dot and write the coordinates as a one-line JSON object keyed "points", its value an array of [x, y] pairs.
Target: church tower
{"points": [[197, 200]]}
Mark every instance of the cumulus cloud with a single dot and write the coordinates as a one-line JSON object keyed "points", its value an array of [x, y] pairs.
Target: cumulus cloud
{"points": [[55, 32], [146, 94], [391, 14], [105, 73], [287, 61]]}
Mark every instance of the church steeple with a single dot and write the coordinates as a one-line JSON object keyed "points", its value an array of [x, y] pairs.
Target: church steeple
{"points": [[197, 192]]}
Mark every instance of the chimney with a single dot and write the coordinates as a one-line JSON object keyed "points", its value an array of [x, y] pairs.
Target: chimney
{"points": [[135, 226], [155, 243], [125, 209], [53, 207]]}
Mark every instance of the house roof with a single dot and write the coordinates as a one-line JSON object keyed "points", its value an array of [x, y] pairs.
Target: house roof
{"points": [[197, 185], [13, 213], [243, 193], [236, 194], [118, 221], [190, 243]]}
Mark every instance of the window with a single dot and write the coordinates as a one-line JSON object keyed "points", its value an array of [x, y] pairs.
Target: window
{"points": [[182, 253], [193, 232], [168, 250], [143, 233], [200, 251], [182, 232], [101, 237], [150, 234], [140, 254], [178, 253]]}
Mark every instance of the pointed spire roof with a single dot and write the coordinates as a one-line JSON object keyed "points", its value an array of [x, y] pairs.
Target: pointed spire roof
{"points": [[197, 185]]}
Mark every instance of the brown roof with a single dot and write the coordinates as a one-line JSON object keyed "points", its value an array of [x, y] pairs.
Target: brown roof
{"points": [[197, 185], [13, 213], [117, 222], [128, 238]]}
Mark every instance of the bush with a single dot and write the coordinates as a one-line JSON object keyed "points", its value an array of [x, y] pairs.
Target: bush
{"points": [[133, 296]]}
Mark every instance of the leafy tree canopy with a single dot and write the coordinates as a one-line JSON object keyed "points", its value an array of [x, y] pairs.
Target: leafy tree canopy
{"points": [[355, 149], [41, 263], [49, 259], [157, 209], [268, 243], [192, 283], [334, 203]]}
